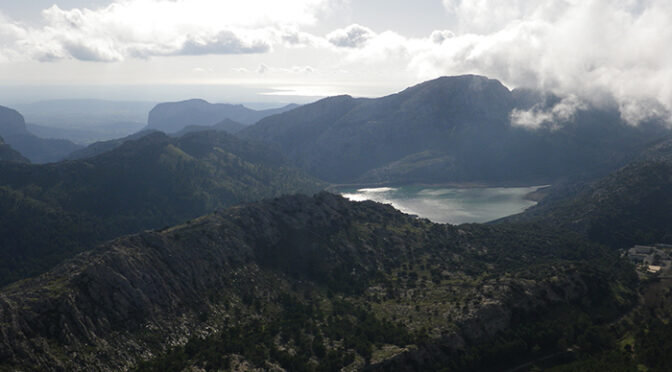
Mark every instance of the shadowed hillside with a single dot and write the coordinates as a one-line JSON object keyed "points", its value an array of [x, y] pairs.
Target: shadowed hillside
{"points": [[630, 206], [452, 129], [315, 283], [52, 211]]}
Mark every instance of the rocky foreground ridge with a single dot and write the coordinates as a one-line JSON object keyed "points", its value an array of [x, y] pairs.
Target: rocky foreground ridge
{"points": [[136, 297]]}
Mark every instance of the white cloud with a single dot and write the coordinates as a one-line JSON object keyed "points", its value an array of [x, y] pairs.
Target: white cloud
{"points": [[601, 51], [439, 36], [487, 16], [554, 118], [353, 36], [262, 69], [145, 28], [225, 42], [361, 45], [617, 49]]}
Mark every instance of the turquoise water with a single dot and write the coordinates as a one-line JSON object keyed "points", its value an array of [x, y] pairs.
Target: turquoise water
{"points": [[449, 205]]}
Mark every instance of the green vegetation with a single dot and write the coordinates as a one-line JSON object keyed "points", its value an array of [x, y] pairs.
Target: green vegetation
{"points": [[638, 341], [321, 283], [631, 206], [451, 129], [301, 337], [51, 212]]}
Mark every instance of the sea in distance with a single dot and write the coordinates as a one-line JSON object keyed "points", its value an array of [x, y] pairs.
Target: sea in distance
{"points": [[447, 204]]}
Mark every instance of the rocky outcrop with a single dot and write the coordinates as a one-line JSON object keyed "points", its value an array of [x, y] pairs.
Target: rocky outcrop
{"points": [[7, 153], [38, 150], [136, 296]]}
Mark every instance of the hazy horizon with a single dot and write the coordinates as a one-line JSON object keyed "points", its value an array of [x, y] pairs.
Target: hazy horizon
{"points": [[297, 51]]}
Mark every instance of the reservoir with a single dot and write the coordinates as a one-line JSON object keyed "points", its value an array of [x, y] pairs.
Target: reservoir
{"points": [[450, 205]]}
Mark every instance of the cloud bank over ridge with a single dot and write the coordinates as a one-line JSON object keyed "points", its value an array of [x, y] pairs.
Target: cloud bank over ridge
{"points": [[596, 51]]}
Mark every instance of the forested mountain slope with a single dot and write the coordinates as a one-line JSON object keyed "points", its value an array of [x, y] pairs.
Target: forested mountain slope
{"points": [[633, 205], [452, 129], [300, 283], [54, 210]]}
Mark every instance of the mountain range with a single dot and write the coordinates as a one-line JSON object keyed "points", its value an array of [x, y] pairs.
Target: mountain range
{"points": [[300, 283], [38, 150], [182, 251], [55, 210], [84, 121], [452, 129], [172, 117], [629, 206]]}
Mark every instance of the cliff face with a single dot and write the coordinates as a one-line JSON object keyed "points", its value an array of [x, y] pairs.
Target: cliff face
{"points": [[7, 153], [38, 150], [135, 297]]}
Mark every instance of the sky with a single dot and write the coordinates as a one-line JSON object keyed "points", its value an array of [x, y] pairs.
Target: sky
{"points": [[589, 51]]}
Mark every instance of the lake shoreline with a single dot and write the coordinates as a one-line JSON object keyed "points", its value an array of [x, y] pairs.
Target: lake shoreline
{"points": [[455, 185], [445, 203], [537, 195]]}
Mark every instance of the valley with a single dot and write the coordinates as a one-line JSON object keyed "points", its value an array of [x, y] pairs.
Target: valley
{"points": [[224, 238]]}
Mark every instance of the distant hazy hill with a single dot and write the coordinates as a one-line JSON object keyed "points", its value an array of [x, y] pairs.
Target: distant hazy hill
{"points": [[315, 284], [87, 134], [85, 121], [226, 125], [631, 206], [172, 117], [451, 129], [7, 153], [102, 147], [38, 150], [54, 210], [81, 113]]}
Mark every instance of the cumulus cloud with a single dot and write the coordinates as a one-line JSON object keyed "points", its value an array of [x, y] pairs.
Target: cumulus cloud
{"points": [[599, 51], [363, 46], [9, 35], [553, 118], [596, 49], [439, 36], [487, 16], [225, 42], [353, 36], [292, 36], [145, 28]]}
